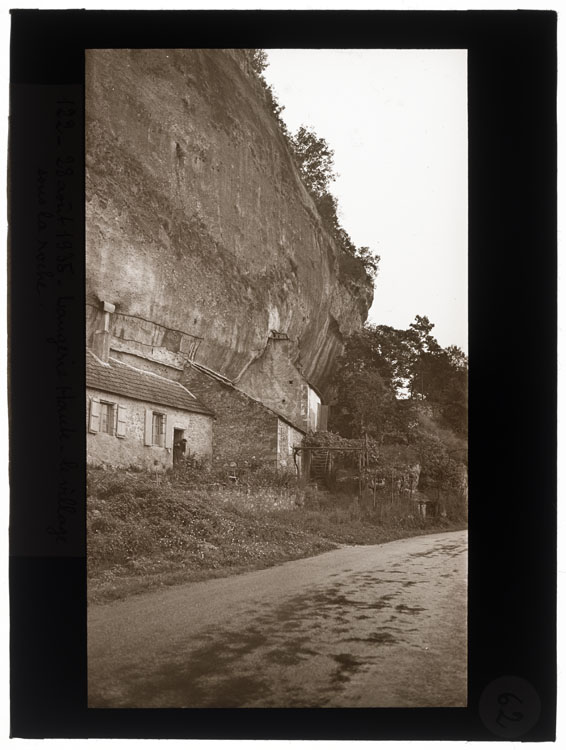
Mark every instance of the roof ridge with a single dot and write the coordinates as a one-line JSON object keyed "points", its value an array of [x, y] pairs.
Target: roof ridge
{"points": [[212, 373]]}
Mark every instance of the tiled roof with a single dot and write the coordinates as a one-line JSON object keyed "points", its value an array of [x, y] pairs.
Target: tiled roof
{"points": [[125, 380]]}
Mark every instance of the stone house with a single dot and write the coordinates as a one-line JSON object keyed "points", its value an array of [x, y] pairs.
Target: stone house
{"points": [[259, 418], [138, 418], [245, 431], [263, 415]]}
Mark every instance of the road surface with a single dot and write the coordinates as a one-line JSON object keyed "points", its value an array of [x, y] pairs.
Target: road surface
{"points": [[380, 625]]}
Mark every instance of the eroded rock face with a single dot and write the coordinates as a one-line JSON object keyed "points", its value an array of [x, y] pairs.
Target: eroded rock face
{"points": [[197, 222]]}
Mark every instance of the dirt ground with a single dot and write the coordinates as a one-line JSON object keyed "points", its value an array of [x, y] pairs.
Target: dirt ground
{"points": [[380, 625]]}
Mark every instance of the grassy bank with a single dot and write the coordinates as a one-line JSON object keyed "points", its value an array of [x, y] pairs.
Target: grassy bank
{"points": [[144, 531]]}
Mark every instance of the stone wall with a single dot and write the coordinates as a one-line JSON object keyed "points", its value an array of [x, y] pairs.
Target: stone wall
{"points": [[288, 438], [244, 430], [130, 450]]}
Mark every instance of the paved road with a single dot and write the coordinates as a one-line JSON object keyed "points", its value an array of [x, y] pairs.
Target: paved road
{"points": [[381, 625]]}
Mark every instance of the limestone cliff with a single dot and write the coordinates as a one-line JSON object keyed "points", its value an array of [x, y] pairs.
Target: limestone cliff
{"points": [[199, 229]]}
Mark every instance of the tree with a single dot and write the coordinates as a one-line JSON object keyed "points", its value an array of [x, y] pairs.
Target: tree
{"points": [[357, 414], [386, 364], [377, 365], [315, 160], [258, 62], [257, 59], [438, 376], [364, 388], [369, 259]]}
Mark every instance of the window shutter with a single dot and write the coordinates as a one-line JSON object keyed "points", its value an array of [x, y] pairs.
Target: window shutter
{"points": [[148, 427], [162, 428], [94, 421], [121, 422], [168, 432]]}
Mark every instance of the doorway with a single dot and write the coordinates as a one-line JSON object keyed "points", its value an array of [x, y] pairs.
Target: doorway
{"points": [[179, 445]]}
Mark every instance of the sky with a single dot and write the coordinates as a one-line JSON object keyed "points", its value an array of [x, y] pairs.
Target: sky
{"points": [[397, 122]]}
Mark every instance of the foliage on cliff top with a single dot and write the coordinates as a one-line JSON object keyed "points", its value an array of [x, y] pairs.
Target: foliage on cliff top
{"points": [[315, 162], [314, 159]]}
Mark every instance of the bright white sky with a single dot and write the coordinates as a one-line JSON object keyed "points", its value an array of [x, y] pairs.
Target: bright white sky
{"points": [[397, 122]]}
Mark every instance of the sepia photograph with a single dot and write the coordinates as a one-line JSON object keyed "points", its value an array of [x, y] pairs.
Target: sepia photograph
{"points": [[276, 377], [282, 322]]}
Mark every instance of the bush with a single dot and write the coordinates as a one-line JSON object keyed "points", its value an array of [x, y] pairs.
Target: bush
{"points": [[144, 531]]}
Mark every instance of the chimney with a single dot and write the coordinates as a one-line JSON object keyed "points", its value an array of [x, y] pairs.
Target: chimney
{"points": [[101, 337]]}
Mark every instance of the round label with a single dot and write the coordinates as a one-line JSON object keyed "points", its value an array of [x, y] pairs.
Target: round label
{"points": [[509, 707]]}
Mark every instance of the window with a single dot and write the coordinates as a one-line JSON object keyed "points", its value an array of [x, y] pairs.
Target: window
{"points": [[158, 429], [107, 417], [107, 413]]}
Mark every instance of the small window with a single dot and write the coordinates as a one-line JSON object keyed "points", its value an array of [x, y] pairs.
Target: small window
{"points": [[107, 412], [158, 429], [107, 417]]}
